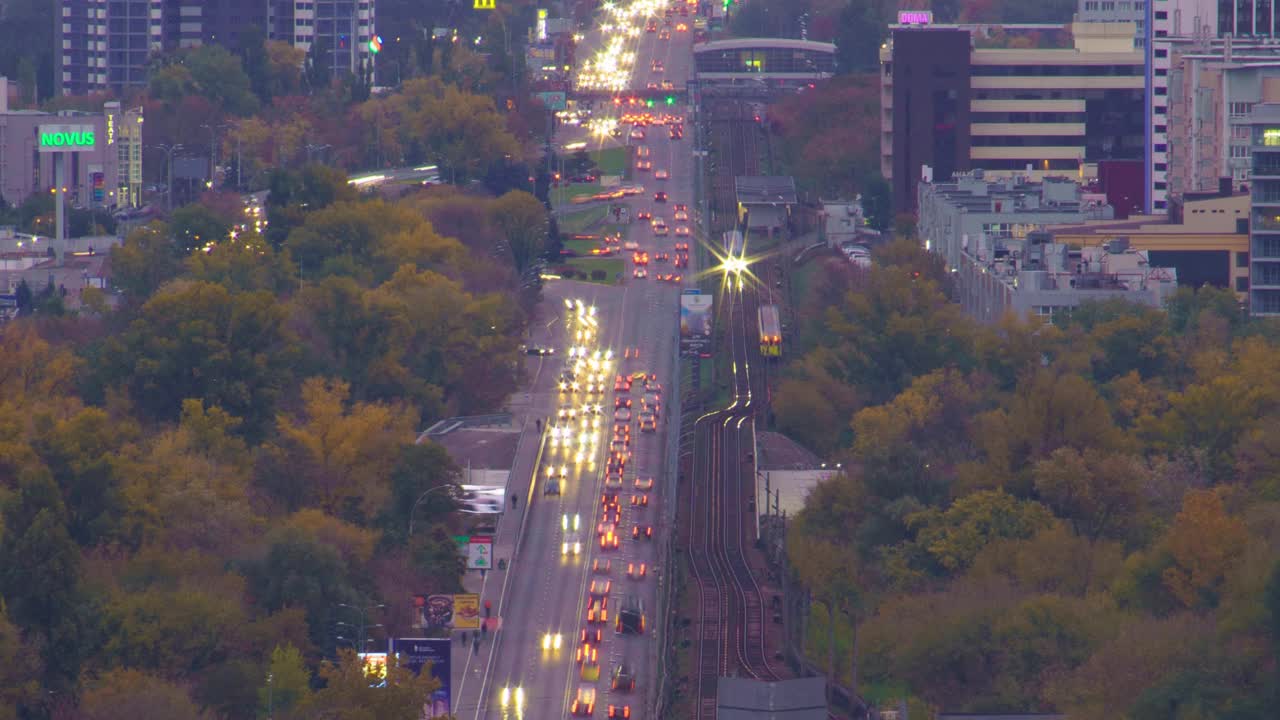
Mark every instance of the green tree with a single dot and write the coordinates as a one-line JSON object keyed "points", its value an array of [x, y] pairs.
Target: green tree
{"points": [[19, 671], [82, 454], [171, 631], [522, 220], [947, 541], [1203, 542], [195, 226], [294, 194], [245, 264], [420, 468], [318, 72], [147, 259], [200, 340], [288, 681], [219, 77], [299, 571]]}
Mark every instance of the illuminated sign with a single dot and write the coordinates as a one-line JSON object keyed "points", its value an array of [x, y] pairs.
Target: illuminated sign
{"points": [[375, 667], [486, 5], [915, 17], [542, 23], [111, 129], [66, 138]]}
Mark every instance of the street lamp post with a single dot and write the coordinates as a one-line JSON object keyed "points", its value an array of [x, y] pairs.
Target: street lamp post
{"points": [[413, 511], [314, 148], [168, 151], [213, 145], [362, 628]]}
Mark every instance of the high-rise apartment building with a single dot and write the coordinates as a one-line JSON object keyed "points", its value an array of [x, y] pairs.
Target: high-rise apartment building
{"points": [[1264, 218], [961, 97], [1134, 11], [105, 45]]}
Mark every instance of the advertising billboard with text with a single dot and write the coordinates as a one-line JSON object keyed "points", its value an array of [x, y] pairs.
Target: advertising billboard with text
{"points": [[415, 654], [695, 325]]}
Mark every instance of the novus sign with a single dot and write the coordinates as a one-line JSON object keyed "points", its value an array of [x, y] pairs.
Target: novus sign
{"points": [[66, 138]]}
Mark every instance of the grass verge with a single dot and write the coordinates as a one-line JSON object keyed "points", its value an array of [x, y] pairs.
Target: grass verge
{"points": [[610, 161], [612, 267], [582, 220]]}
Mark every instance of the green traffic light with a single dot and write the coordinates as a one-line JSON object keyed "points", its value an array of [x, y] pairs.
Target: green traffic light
{"points": [[671, 100], [648, 103]]}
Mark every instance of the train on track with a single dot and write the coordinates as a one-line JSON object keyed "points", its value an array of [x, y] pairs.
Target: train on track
{"points": [[770, 331]]}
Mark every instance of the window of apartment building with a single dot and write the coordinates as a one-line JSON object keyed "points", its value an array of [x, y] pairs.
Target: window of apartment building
{"points": [[1162, 128], [1091, 5], [1242, 258], [1162, 52], [1242, 284], [1162, 33], [1162, 91], [1162, 72], [1161, 167], [1162, 15], [1161, 186], [1108, 5], [1161, 147], [1140, 5], [1239, 151], [1239, 132], [1239, 109], [1124, 5]]}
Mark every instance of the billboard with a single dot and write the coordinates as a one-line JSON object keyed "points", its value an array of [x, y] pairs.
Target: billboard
{"points": [[695, 325], [554, 100], [480, 552], [66, 138], [446, 611], [466, 611], [416, 653], [375, 667]]}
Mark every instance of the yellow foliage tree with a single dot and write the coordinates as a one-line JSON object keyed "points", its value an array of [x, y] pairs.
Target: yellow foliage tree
{"points": [[345, 453], [1204, 542]]}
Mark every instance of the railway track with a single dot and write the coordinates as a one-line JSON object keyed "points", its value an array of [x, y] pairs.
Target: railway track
{"points": [[730, 638], [735, 133]]}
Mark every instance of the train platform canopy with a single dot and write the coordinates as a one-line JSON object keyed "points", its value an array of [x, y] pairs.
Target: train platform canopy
{"points": [[765, 201], [744, 699]]}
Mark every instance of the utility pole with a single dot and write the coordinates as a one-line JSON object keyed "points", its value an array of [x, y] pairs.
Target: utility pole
{"points": [[362, 627], [213, 145], [168, 151]]}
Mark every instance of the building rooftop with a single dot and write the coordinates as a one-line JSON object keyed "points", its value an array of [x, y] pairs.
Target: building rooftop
{"points": [[743, 699], [765, 190], [975, 193]]}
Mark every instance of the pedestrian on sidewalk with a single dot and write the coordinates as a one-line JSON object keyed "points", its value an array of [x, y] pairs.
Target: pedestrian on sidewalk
{"points": [[488, 609], [515, 500], [539, 421]]}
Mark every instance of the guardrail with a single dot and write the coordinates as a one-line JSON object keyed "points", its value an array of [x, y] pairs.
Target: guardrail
{"points": [[448, 425]]}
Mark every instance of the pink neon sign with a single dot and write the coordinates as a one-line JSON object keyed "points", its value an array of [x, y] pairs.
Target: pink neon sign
{"points": [[915, 17]]}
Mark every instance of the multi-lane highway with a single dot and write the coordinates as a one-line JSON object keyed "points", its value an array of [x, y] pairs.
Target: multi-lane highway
{"points": [[627, 329]]}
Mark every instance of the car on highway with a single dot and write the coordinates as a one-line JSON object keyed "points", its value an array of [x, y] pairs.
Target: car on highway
{"points": [[637, 571], [619, 712], [622, 384], [591, 635], [590, 662], [642, 151], [682, 260], [600, 588], [644, 483], [624, 678], [660, 227], [552, 641], [622, 415], [640, 273], [656, 66], [662, 257], [640, 500], [598, 611], [637, 134], [630, 619], [667, 85], [665, 34], [681, 215], [652, 26], [640, 258], [609, 541], [682, 27], [642, 532], [584, 702], [661, 175], [571, 527], [644, 215], [551, 487], [644, 165], [601, 566], [660, 197], [648, 423], [651, 86], [536, 350], [682, 231], [631, 245]]}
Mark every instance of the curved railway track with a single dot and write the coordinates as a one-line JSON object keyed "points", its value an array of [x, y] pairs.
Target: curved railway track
{"points": [[730, 636]]}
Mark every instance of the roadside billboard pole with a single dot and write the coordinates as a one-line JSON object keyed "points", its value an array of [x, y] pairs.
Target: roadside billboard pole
{"points": [[60, 140]]}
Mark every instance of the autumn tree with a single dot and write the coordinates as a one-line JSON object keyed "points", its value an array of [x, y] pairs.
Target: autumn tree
{"points": [[1203, 543], [129, 694], [288, 682], [343, 455], [1100, 494], [352, 691]]}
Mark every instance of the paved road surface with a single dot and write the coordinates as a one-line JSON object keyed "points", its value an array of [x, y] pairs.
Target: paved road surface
{"points": [[544, 592]]}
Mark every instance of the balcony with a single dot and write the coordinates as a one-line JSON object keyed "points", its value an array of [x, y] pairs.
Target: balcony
{"points": [[1265, 223]]}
